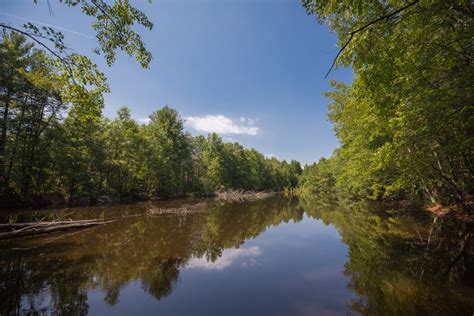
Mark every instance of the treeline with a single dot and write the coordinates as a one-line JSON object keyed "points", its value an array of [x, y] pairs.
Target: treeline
{"points": [[406, 123], [52, 149]]}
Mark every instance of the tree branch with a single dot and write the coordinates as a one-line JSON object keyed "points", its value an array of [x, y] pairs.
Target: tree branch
{"points": [[105, 13], [33, 37], [360, 29], [108, 17]]}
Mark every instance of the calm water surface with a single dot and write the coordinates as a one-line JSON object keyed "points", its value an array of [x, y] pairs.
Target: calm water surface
{"points": [[274, 257]]}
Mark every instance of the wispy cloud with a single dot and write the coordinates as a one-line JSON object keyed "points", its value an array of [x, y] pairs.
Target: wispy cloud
{"points": [[49, 25], [248, 120], [227, 259], [221, 125]]}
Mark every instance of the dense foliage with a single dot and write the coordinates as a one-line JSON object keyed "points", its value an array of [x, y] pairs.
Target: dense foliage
{"points": [[56, 148], [406, 123]]}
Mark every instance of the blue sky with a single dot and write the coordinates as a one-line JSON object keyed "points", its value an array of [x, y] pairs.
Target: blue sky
{"points": [[252, 70]]}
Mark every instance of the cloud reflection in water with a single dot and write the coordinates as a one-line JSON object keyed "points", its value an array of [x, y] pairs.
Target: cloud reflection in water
{"points": [[226, 260]]}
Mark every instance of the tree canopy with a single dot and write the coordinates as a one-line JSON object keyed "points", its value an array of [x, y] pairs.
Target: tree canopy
{"points": [[406, 122]]}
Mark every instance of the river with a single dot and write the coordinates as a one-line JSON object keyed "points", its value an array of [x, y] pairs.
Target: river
{"points": [[281, 256]]}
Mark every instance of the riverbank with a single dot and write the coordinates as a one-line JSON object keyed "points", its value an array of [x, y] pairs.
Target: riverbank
{"points": [[442, 211], [15, 228], [106, 200]]}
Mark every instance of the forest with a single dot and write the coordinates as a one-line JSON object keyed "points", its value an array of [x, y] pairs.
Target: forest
{"points": [[405, 123], [55, 151]]}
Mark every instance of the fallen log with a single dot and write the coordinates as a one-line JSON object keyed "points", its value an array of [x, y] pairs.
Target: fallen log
{"points": [[41, 228], [12, 226]]}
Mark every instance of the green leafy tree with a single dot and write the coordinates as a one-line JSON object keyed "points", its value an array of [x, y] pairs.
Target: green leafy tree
{"points": [[114, 28], [405, 123], [80, 151], [214, 164], [31, 104], [170, 156], [113, 25], [124, 143]]}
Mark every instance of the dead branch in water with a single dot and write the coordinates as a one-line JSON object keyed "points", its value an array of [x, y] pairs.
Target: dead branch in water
{"points": [[40, 228], [183, 210], [13, 226], [241, 195]]}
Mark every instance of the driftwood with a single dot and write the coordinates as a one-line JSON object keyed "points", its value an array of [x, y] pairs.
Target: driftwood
{"points": [[240, 196], [40, 228], [183, 210], [13, 226]]}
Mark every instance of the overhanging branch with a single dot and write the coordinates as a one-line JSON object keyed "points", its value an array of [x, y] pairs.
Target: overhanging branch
{"points": [[33, 37], [36, 40], [360, 29]]}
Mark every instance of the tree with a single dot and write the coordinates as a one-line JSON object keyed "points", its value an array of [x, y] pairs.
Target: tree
{"points": [[405, 123], [113, 24], [214, 164], [124, 143], [80, 154], [170, 159], [31, 104]]}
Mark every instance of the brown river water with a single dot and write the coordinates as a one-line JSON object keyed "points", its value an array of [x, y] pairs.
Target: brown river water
{"points": [[281, 256]]}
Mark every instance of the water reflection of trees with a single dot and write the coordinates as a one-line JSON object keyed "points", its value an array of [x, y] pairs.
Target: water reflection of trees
{"points": [[150, 250], [402, 262], [398, 263]]}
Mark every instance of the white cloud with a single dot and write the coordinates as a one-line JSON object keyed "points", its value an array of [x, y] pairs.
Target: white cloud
{"points": [[222, 125], [144, 120], [226, 260], [249, 121]]}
